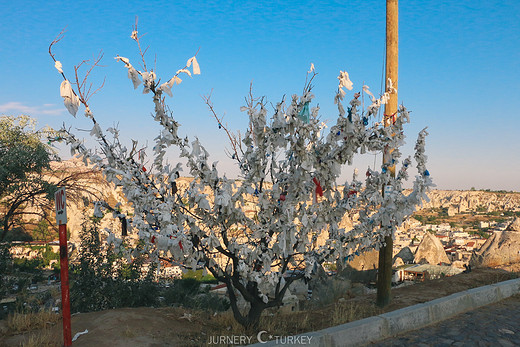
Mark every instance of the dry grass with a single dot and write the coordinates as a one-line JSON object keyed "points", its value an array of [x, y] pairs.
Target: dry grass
{"points": [[345, 312], [225, 321], [20, 322], [43, 338], [298, 322]]}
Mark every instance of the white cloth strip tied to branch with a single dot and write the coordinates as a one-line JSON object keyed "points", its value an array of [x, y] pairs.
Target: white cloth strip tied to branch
{"points": [[70, 99], [133, 74]]}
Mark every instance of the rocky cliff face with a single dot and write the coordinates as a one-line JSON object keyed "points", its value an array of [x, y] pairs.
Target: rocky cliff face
{"points": [[89, 186], [457, 201]]}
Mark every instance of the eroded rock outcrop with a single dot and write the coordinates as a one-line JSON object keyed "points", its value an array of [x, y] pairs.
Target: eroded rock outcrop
{"points": [[406, 256], [362, 268], [501, 248], [457, 201], [431, 251], [365, 261]]}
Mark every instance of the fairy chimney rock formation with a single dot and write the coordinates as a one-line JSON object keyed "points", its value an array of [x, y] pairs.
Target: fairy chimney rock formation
{"points": [[406, 256], [431, 251], [501, 248]]}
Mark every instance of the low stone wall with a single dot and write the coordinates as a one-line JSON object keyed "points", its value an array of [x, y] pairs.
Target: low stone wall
{"points": [[389, 324]]}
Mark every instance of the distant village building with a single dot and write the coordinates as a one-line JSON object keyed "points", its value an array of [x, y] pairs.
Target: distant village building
{"points": [[483, 225], [421, 272], [459, 234], [443, 238], [470, 245]]}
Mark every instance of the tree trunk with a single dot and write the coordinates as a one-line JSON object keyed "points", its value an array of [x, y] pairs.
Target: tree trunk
{"points": [[384, 275], [250, 321], [253, 317]]}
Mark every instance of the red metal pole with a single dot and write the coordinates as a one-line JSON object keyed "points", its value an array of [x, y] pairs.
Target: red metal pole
{"points": [[65, 298]]}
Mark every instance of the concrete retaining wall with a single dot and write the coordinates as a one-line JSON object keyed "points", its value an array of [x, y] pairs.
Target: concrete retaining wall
{"points": [[406, 319]]}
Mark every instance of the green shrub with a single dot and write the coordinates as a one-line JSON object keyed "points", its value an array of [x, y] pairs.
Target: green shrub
{"points": [[100, 279], [29, 265]]}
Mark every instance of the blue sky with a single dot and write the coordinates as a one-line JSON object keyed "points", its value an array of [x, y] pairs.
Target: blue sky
{"points": [[459, 69]]}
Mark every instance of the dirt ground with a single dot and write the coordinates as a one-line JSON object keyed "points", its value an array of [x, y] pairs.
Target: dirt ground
{"points": [[175, 327]]}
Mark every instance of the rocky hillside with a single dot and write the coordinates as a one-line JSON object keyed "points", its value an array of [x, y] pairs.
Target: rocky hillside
{"points": [[457, 201], [454, 200], [94, 187]]}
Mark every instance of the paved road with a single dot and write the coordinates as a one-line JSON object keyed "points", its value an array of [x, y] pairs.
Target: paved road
{"points": [[493, 325]]}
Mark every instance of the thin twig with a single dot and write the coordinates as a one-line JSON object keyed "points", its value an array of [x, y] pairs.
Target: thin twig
{"points": [[85, 94], [232, 137]]}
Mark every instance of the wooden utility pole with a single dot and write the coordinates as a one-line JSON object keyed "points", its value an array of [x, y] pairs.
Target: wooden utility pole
{"points": [[384, 279]]}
